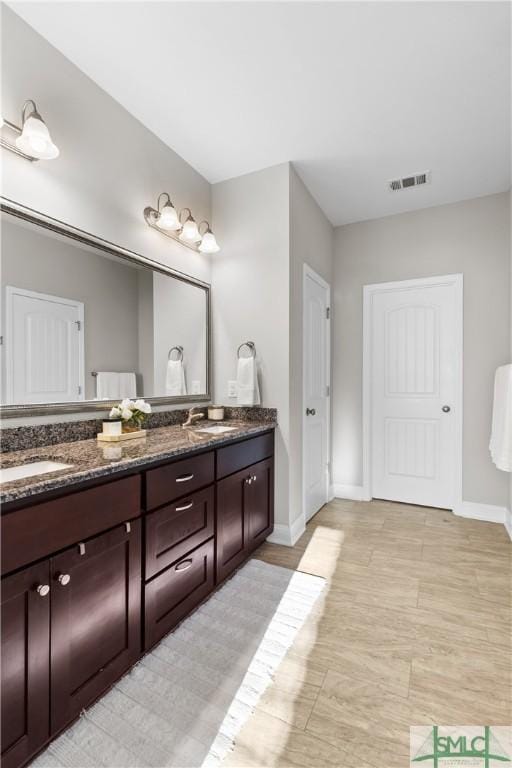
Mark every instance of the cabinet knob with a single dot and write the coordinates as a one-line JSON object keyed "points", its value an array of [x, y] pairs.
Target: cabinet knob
{"points": [[42, 590], [310, 412], [254, 478], [64, 579], [248, 480]]}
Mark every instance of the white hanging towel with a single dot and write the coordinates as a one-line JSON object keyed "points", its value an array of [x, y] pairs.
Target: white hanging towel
{"points": [[247, 382], [127, 386], [107, 385], [500, 445], [175, 378]]}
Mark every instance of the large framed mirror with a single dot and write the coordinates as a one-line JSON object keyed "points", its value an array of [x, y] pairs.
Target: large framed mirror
{"points": [[86, 323]]}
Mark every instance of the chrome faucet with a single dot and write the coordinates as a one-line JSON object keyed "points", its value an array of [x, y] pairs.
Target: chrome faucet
{"points": [[192, 417]]}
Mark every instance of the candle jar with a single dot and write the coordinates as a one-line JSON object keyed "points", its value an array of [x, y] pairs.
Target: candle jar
{"points": [[215, 412], [112, 427]]}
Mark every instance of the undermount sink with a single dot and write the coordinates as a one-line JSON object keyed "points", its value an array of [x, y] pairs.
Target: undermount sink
{"points": [[8, 474], [215, 430]]}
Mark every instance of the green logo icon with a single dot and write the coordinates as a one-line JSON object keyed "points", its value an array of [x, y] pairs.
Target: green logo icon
{"points": [[482, 745]]}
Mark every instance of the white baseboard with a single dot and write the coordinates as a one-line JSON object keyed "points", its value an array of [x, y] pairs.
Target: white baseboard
{"points": [[508, 522], [352, 492], [287, 535], [487, 512]]}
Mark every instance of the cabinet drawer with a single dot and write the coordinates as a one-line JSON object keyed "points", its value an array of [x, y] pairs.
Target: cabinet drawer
{"points": [[35, 532], [174, 530], [170, 482], [175, 592], [235, 457]]}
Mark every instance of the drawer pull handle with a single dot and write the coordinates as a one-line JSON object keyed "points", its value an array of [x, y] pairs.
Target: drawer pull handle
{"points": [[64, 579], [254, 478], [184, 478], [128, 527], [42, 590], [184, 565], [184, 507], [81, 548]]}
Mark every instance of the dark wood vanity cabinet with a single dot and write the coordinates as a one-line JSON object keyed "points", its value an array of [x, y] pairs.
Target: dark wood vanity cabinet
{"points": [[95, 618], [93, 578], [25, 663], [70, 628], [245, 514]]}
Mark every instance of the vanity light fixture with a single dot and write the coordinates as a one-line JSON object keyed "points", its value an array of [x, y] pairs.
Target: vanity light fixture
{"points": [[34, 141], [190, 231], [208, 242], [180, 226], [167, 217]]}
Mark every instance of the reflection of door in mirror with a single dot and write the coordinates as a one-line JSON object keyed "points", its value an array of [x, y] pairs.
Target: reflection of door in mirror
{"points": [[44, 347]]}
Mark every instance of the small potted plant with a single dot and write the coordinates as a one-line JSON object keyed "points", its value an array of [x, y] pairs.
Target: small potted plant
{"points": [[132, 414]]}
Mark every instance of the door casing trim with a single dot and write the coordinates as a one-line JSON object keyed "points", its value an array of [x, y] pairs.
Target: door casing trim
{"points": [[369, 291], [308, 272]]}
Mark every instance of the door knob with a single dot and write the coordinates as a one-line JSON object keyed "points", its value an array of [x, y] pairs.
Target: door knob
{"points": [[42, 590], [310, 412], [446, 409], [64, 579]]}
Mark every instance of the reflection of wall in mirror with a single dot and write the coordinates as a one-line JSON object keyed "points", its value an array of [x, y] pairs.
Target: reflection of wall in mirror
{"points": [[180, 319], [108, 288]]}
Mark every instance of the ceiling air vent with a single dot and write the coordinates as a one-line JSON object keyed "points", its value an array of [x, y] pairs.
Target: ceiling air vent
{"points": [[416, 180]]}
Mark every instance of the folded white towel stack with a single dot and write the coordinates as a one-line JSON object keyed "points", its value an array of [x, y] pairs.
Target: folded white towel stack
{"points": [[247, 382], [111, 385], [500, 445], [175, 378]]}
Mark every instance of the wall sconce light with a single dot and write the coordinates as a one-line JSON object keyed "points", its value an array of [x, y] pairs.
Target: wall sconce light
{"points": [[189, 232], [208, 242], [180, 226], [33, 141]]}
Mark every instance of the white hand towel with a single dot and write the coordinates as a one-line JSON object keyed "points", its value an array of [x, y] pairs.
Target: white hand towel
{"points": [[247, 382], [500, 444], [175, 378], [127, 386], [107, 385]]}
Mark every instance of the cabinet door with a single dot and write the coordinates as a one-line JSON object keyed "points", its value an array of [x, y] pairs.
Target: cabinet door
{"points": [[25, 663], [232, 522], [95, 620], [260, 502]]}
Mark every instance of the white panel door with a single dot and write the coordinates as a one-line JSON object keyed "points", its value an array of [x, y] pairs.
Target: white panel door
{"points": [[413, 390], [44, 348], [316, 393]]}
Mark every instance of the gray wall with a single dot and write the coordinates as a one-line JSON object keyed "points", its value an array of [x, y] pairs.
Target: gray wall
{"points": [[312, 243], [181, 312], [471, 237], [110, 167], [250, 296], [108, 289], [270, 226]]}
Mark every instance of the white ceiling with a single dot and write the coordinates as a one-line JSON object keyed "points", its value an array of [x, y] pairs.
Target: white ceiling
{"points": [[353, 93]]}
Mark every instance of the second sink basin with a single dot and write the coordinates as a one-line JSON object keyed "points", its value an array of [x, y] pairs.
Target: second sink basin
{"points": [[8, 474], [215, 430]]}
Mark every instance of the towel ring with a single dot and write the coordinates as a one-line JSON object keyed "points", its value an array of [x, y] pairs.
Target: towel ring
{"points": [[251, 345], [177, 349]]}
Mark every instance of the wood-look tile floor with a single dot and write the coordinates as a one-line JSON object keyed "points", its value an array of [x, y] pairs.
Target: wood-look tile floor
{"points": [[413, 629]]}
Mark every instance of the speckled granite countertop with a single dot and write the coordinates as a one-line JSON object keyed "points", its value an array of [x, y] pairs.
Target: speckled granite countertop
{"points": [[90, 459]]}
